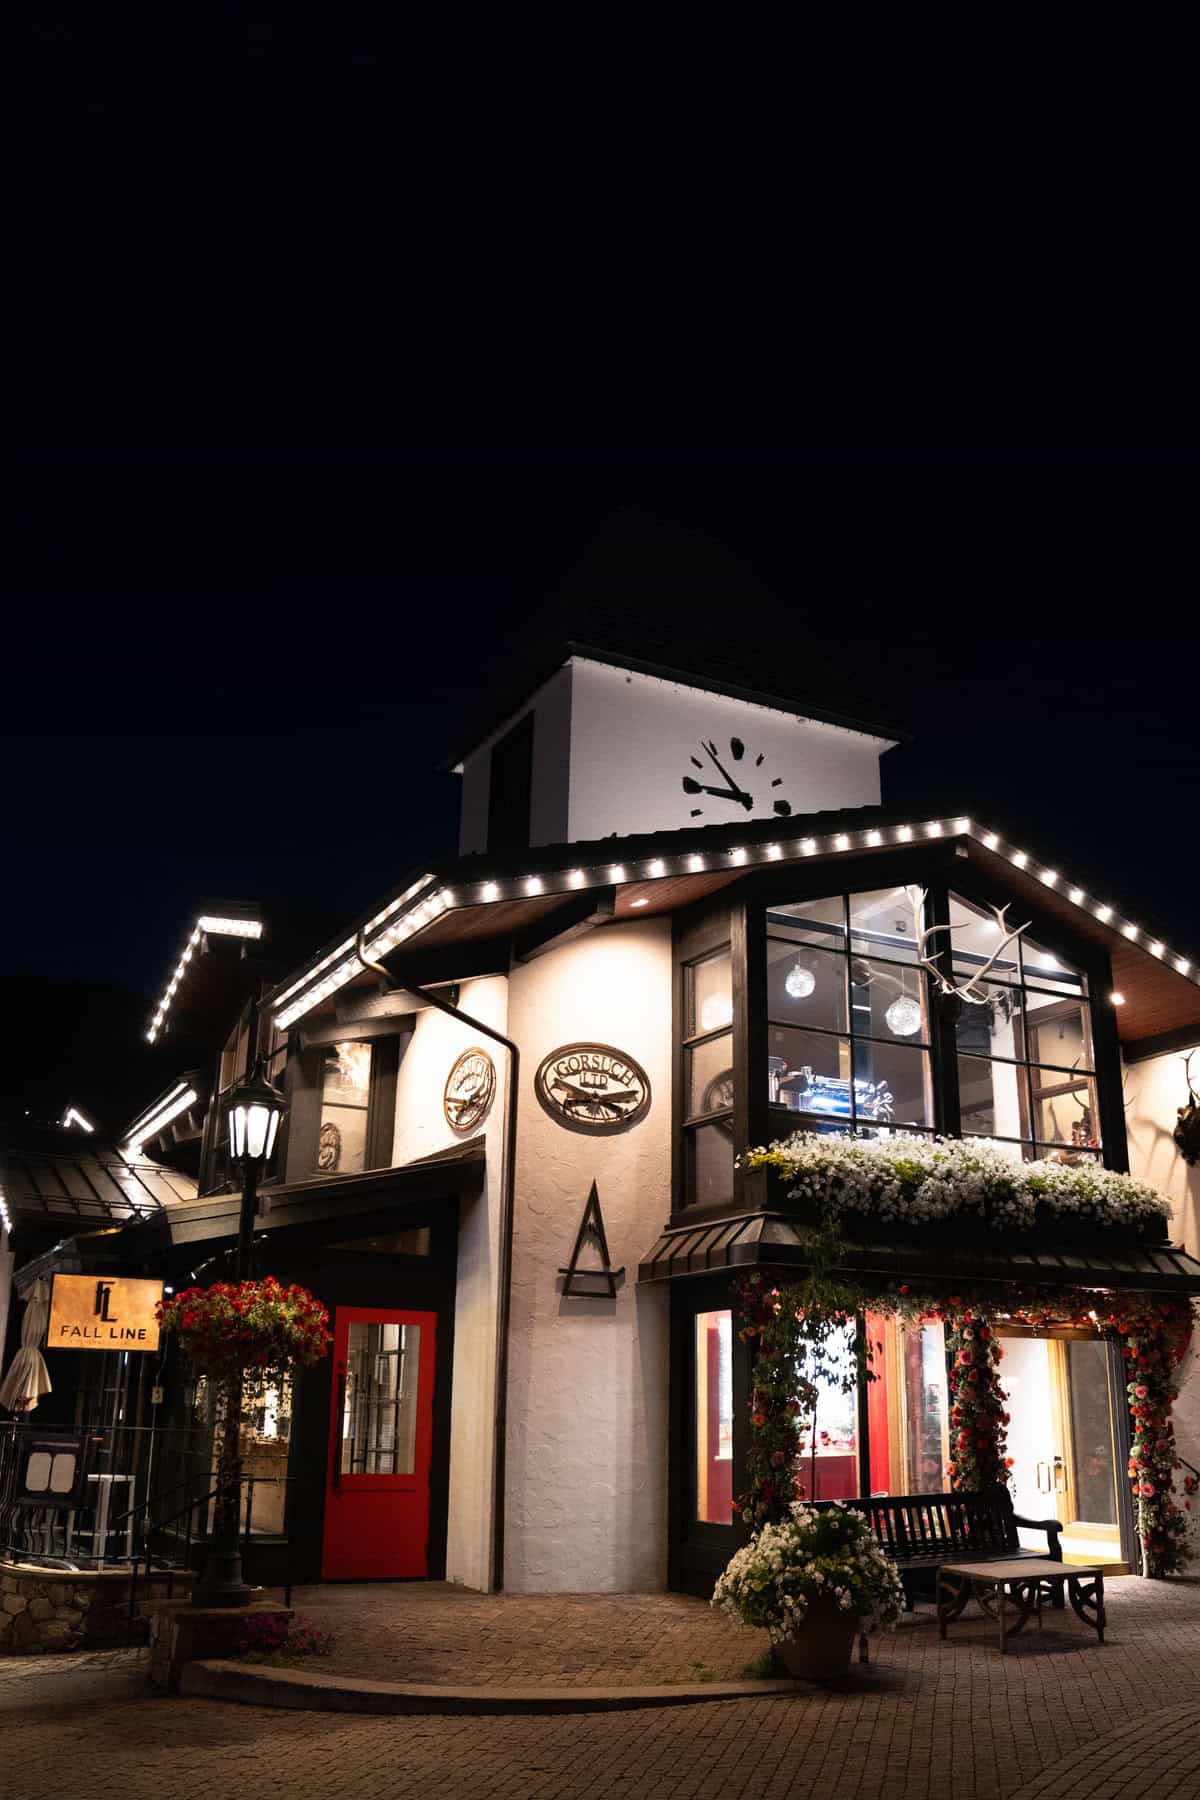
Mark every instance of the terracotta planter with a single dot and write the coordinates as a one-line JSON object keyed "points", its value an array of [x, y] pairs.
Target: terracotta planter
{"points": [[820, 1650]]}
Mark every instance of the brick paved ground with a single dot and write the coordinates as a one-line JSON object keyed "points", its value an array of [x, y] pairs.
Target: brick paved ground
{"points": [[1061, 1718]]}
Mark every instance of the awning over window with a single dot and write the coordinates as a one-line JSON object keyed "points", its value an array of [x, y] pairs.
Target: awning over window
{"points": [[773, 1240]]}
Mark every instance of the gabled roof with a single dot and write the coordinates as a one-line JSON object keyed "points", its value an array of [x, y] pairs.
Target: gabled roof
{"points": [[97, 1187], [485, 896]]}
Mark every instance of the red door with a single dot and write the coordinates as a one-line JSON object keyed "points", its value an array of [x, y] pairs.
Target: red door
{"points": [[380, 1443]]}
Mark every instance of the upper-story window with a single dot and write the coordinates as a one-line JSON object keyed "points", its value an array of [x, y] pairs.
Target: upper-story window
{"points": [[848, 1032], [708, 1078], [1026, 1068], [345, 1104]]}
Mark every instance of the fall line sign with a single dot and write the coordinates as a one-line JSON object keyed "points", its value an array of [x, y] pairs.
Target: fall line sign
{"points": [[103, 1312]]}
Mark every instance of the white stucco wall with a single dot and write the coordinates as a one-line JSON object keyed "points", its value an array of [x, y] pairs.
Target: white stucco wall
{"points": [[587, 1444], [421, 1129], [1154, 1091], [632, 737]]}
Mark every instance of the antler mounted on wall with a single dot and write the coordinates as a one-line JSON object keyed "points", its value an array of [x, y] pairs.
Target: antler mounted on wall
{"points": [[949, 989], [1187, 1129]]}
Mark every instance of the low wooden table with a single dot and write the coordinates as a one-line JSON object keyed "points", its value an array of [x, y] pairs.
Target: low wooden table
{"points": [[1019, 1585]]}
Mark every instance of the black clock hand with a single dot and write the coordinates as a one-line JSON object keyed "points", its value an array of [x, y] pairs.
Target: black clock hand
{"points": [[735, 792], [692, 786]]}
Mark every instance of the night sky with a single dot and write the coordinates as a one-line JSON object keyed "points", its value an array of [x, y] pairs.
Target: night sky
{"points": [[232, 675]]}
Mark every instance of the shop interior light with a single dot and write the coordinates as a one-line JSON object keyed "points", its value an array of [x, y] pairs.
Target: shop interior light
{"points": [[799, 980], [903, 1016]]}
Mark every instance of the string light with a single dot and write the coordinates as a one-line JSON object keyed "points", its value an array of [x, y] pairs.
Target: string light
{"points": [[874, 838], [905, 834], [658, 868]]}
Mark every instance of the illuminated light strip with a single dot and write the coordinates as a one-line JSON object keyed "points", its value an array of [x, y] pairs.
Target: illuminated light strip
{"points": [[247, 928], [158, 1121], [5, 1215], [210, 925], [73, 1116], [306, 991]]}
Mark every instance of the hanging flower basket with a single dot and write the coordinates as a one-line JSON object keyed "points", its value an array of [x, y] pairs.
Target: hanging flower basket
{"points": [[251, 1328]]}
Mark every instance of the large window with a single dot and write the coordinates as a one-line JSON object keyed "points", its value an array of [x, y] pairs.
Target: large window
{"points": [[1026, 1070], [714, 1417], [708, 1079], [847, 1016]]}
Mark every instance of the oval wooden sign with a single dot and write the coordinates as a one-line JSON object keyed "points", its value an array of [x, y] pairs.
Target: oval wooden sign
{"points": [[592, 1088]]}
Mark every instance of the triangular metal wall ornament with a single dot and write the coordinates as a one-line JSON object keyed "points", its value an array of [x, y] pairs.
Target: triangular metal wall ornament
{"points": [[591, 1226]]}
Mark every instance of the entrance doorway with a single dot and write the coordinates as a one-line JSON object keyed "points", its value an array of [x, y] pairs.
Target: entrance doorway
{"points": [[380, 1445], [1063, 1441]]}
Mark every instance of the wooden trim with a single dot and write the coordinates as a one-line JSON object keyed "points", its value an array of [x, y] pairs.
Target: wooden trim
{"points": [[1186, 1037]]}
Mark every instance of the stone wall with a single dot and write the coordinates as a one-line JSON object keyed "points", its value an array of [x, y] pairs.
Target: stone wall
{"points": [[43, 1610]]}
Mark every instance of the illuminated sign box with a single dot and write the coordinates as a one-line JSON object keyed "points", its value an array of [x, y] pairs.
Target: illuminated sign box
{"points": [[110, 1312]]}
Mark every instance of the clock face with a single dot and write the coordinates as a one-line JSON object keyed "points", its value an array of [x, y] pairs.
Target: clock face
{"points": [[729, 778], [470, 1090]]}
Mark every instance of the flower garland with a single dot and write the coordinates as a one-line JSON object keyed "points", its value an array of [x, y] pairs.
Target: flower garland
{"points": [[249, 1327], [917, 1180], [775, 1321]]}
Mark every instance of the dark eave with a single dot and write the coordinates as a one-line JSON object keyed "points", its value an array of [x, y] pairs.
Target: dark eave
{"points": [[775, 1241]]}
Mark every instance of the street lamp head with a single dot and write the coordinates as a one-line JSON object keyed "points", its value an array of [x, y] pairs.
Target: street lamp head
{"points": [[254, 1109]]}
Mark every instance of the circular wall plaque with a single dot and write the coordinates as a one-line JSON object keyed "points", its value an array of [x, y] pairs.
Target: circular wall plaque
{"points": [[592, 1087], [470, 1090]]}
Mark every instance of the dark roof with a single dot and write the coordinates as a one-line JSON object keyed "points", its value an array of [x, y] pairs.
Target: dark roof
{"points": [[95, 1186], [651, 595], [774, 1240]]}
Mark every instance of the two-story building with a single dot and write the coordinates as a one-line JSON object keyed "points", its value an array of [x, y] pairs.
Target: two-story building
{"points": [[681, 923]]}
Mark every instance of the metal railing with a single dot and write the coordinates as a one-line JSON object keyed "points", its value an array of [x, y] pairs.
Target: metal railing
{"points": [[142, 1494]]}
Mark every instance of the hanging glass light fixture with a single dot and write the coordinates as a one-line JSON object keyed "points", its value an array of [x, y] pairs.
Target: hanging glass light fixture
{"points": [[799, 980], [904, 1016]]}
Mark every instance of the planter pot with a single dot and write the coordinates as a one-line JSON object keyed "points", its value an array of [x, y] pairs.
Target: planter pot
{"points": [[820, 1650]]}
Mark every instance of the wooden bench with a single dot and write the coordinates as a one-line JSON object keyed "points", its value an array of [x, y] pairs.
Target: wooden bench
{"points": [[920, 1532]]}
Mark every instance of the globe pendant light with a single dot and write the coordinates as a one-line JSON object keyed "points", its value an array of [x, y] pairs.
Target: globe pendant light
{"points": [[904, 1016], [799, 981]]}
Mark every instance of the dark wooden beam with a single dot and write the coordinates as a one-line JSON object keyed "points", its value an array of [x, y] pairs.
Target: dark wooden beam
{"points": [[1185, 1037], [577, 917]]}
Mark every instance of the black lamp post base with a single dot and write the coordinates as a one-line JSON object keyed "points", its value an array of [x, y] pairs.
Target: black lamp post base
{"points": [[221, 1582]]}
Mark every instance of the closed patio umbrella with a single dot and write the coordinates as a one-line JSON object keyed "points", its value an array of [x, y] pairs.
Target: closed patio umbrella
{"points": [[28, 1378]]}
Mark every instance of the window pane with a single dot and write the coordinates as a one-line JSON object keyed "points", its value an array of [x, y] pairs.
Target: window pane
{"points": [[828, 1465], [1064, 1108], [976, 937], [1091, 1430], [927, 1444], [892, 1083], [709, 994], [345, 1093], [806, 986], [811, 922], [887, 1001], [714, 1417], [1059, 1031], [808, 1072], [710, 1076], [1045, 968], [993, 1098], [882, 924], [709, 1151], [994, 1028], [379, 1418]]}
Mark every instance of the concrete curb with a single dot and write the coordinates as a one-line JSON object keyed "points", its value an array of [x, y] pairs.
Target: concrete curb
{"points": [[256, 1685]]}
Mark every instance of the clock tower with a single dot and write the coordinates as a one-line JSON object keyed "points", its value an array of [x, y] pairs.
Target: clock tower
{"points": [[612, 746]]}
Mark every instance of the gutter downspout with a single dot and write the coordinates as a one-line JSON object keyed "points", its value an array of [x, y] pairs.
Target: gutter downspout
{"points": [[504, 1272]]}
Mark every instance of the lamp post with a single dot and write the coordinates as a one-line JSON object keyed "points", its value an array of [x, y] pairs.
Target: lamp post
{"points": [[253, 1111]]}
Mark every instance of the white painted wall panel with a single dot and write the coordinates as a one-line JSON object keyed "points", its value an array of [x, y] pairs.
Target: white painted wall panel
{"points": [[587, 1448], [632, 737], [421, 1129]]}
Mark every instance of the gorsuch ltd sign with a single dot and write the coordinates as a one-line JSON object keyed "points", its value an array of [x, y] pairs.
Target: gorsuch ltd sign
{"points": [[110, 1312]]}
